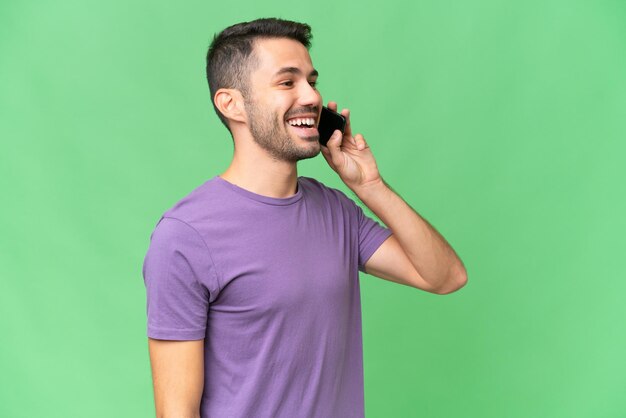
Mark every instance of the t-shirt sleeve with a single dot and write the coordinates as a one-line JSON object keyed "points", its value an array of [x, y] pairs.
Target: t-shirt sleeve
{"points": [[179, 276], [371, 236]]}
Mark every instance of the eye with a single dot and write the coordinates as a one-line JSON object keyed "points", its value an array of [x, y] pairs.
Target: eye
{"points": [[313, 83], [287, 83]]}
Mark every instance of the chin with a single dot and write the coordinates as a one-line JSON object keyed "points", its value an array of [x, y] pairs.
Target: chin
{"points": [[312, 139]]}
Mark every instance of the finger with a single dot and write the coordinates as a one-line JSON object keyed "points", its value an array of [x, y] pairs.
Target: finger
{"points": [[332, 106], [361, 143], [348, 130], [335, 140], [334, 147]]}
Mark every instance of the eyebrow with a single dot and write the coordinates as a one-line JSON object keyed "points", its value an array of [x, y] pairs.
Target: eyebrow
{"points": [[295, 71]]}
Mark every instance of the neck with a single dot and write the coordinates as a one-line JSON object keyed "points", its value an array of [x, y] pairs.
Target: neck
{"points": [[256, 171]]}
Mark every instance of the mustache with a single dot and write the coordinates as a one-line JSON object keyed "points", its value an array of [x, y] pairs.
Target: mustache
{"points": [[303, 111]]}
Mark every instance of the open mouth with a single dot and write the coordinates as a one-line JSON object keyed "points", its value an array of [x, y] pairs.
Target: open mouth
{"points": [[304, 127]]}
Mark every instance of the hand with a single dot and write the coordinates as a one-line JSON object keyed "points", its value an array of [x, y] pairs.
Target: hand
{"points": [[350, 156]]}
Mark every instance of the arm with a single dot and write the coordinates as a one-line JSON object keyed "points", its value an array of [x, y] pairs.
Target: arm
{"points": [[416, 254], [178, 377]]}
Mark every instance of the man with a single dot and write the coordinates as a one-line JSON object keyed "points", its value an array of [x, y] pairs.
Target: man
{"points": [[252, 279]]}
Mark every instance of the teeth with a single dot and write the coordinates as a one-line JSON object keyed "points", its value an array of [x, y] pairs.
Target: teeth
{"points": [[301, 121]]}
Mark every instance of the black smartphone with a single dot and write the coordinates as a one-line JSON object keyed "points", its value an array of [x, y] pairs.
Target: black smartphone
{"points": [[329, 121]]}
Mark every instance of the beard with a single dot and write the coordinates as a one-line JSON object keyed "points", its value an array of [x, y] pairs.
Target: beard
{"points": [[271, 134]]}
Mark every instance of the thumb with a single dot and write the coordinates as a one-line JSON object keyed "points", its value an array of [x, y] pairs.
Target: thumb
{"points": [[334, 142], [333, 155]]}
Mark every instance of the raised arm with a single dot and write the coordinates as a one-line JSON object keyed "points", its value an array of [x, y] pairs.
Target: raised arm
{"points": [[416, 255], [177, 376]]}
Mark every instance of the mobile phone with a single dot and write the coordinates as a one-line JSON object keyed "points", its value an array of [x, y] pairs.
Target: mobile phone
{"points": [[329, 121]]}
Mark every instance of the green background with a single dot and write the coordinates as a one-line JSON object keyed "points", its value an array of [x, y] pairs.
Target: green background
{"points": [[502, 123]]}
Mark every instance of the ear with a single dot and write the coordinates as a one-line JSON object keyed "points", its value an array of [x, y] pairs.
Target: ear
{"points": [[230, 103]]}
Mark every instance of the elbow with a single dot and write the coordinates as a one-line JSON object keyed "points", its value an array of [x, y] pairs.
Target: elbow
{"points": [[454, 283]]}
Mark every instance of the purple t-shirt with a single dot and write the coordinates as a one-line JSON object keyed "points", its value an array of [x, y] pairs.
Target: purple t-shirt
{"points": [[272, 284]]}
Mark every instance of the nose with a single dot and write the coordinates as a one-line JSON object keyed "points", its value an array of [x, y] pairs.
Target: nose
{"points": [[309, 96]]}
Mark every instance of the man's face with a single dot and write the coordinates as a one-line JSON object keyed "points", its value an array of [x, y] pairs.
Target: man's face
{"points": [[283, 100]]}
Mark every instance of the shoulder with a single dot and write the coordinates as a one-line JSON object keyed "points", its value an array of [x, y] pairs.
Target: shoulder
{"points": [[331, 194], [197, 204]]}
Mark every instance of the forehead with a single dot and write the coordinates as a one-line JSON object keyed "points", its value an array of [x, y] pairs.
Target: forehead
{"points": [[276, 53]]}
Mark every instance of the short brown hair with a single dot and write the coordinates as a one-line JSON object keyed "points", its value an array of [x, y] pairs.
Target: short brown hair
{"points": [[230, 61]]}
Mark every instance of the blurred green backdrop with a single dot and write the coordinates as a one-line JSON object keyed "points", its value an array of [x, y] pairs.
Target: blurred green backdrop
{"points": [[502, 123]]}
